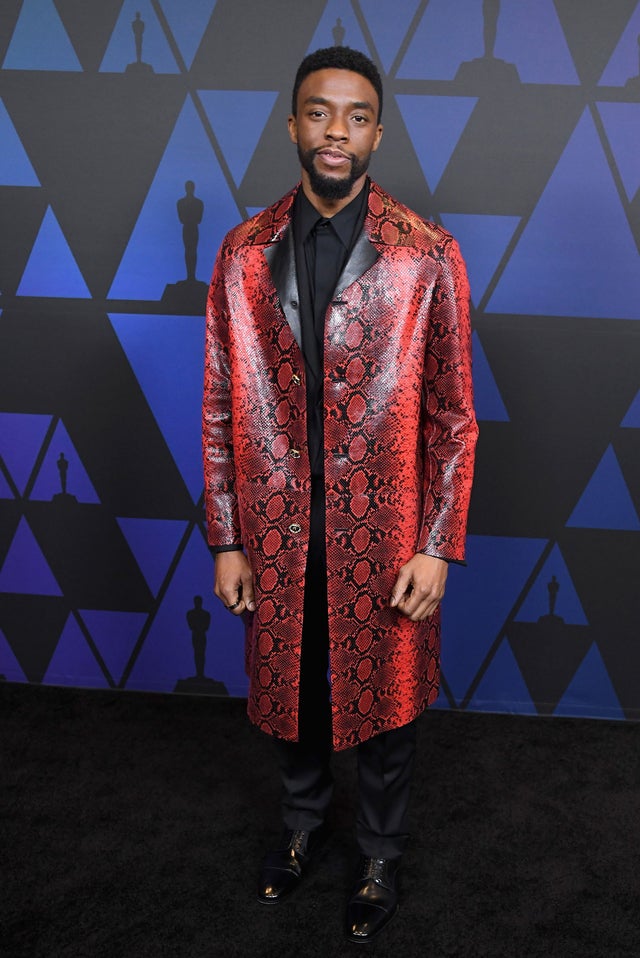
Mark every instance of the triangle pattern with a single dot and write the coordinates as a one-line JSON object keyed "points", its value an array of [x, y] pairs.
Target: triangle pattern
{"points": [[424, 114], [49, 481], [9, 666], [448, 34], [567, 604], [389, 24], [164, 351], [623, 64], [167, 654], [154, 543], [25, 569], [21, 438], [89, 27], [40, 41], [622, 125], [32, 625], [483, 240], [188, 23], [15, 166], [348, 33], [52, 269], [632, 418], [590, 685], [558, 243], [73, 662], [238, 140], [606, 503], [121, 51], [502, 688], [115, 635], [155, 253], [486, 395], [5, 488], [501, 566], [529, 35]]}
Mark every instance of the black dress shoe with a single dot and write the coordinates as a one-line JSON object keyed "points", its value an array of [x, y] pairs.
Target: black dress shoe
{"points": [[375, 899], [282, 868]]}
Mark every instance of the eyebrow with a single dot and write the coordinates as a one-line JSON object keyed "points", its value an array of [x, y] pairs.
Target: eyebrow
{"points": [[356, 105]]}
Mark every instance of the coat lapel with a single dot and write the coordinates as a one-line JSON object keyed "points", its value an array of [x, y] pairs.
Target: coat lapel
{"points": [[282, 263], [363, 255]]}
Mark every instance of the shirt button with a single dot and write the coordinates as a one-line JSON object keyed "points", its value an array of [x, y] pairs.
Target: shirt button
{"points": [[294, 528], [294, 304]]}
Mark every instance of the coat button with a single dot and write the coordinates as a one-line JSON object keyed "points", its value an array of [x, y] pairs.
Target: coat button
{"points": [[294, 453], [295, 379], [294, 304], [295, 528]]}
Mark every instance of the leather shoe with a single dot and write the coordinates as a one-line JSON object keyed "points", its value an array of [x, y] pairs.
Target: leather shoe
{"points": [[283, 868], [375, 899]]}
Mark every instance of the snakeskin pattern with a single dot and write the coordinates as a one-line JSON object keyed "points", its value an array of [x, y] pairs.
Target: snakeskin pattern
{"points": [[400, 435]]}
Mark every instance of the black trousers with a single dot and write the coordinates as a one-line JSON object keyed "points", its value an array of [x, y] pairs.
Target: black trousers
{"points": [[385, 762]]}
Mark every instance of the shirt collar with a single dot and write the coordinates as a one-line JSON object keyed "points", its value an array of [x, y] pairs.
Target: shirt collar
{"points": [[344, 222]]}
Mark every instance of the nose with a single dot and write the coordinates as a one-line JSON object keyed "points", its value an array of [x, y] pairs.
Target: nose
{"points": [[337, 129]]}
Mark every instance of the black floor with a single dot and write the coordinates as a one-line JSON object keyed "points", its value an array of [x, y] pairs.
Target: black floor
{"points": [[132, 825]]}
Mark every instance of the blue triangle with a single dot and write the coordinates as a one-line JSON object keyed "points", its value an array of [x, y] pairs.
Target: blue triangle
{"points": [[167, 654], [155, 253], [487, 399], [389, 24], [48, 482], [567, 605], [622, 123], [25, 569], [21, 438], [165, 352], [5, 488], [115, 635], [155, 47], [479, 599], [40, 41], [353, 36], [424, 114], [154, 543], [15, 166], [483, 240], [632, 418], [238, 140], [448, 35], [624, 61], [502, 687], [254, 210], [73, 663], [558, 243], [52, 269], [188, 22], [590, 693], [9, 665], [530, 35], [606, 503]]}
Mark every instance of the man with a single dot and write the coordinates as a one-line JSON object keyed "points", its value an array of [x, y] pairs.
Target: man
{"points": [[338, 452]]}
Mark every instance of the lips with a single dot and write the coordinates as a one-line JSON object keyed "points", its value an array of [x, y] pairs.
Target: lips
{"points": [[333, 157]]}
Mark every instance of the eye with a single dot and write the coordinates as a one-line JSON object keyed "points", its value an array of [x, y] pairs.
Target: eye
{"points": [[360, 119]]}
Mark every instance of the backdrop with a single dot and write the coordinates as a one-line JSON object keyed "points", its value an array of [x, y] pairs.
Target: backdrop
{"points": [[134, 134]]}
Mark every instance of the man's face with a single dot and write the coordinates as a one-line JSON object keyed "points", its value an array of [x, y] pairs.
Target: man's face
{"points": [[336, 130]]}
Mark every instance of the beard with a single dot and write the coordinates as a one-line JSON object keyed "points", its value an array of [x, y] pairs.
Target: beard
{"points": [[332, 187]]}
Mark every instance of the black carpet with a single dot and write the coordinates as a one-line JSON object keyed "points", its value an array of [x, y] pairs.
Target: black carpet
{"points": [[132, 825]]}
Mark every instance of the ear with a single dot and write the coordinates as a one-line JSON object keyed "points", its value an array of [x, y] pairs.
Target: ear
{"points": [[293, 128], [378, 137]]}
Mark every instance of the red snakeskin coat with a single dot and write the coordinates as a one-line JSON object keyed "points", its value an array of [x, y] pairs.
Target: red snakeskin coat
{"points": [[399, 443]]}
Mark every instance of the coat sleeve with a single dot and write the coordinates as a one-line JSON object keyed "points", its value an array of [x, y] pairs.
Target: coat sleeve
{"points": [[449, 425], [223, 524]]}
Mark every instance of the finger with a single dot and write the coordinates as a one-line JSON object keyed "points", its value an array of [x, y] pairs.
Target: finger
{"points": [[398, 593], [247, 593]]}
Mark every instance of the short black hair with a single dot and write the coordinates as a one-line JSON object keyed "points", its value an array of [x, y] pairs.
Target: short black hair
{"points": [[338, 58]]}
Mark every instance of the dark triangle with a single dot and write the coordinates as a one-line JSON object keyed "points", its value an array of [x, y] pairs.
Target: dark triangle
{"points": [[89, 26], [592, 31], [32, 625], [22, 209]]}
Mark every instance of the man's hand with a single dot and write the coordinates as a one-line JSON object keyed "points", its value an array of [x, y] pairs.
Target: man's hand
{"points": [[233, 582], [419, 586]]}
